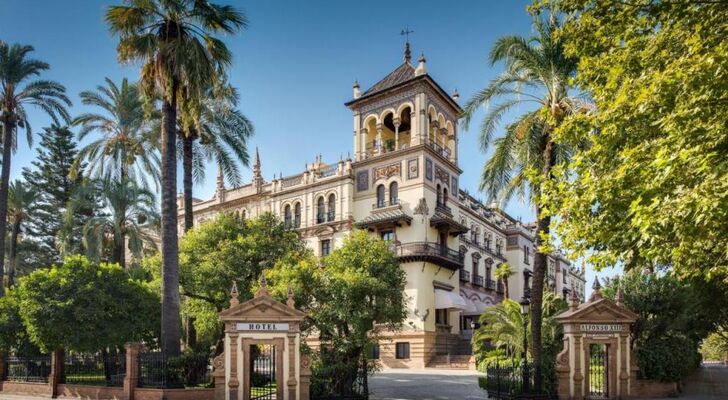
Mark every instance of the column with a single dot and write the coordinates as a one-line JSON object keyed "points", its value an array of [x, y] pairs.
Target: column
{"points": [[292, 382], [233, 383], [624, 365], [131, 379], [380, 148], [578, 376], [57, 358], [363, 143], [396, 133]]}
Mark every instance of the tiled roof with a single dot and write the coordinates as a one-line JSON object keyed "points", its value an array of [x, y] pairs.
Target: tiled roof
{"points": [[383, 217], [403, 73]]}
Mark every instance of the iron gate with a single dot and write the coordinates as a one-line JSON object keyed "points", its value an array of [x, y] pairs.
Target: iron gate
{"points": [[263, 372], [598, 371]]}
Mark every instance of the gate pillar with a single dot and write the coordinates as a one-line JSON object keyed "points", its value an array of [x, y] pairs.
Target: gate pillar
{"points": [[596, 361], [262, 357]]}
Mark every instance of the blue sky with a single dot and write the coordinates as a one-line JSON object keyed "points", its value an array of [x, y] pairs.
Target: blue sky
{"points": [[294, 66]]}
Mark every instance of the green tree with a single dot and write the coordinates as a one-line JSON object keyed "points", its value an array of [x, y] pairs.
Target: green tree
{"points": [[217, 131], [128, 213], [174, 41], [16, 93], [126, 149], [502, 273], [49, 235], [651, 188], [537, 73], [21, 202], [715, 347], [351, 297], [84, 306]]}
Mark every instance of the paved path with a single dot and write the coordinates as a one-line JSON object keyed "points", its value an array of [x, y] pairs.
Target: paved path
{"points": [[434, 384]]}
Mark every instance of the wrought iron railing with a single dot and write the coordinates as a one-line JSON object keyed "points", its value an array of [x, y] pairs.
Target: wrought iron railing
{"points": [[328, 171], [504, 380], [158, 371], [428, 249], [440, 206], [34, 369], [102, 369], [292, 181], [464, 275], [477, 280], [489, 284]]}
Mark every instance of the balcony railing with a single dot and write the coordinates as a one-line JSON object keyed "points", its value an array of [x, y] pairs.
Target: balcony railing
{"points": [[490, 284], [469, 240], [440, 206], [322, 218], [477, 280], [385, 204], [464, 275], [445, 152], [431, 252]]}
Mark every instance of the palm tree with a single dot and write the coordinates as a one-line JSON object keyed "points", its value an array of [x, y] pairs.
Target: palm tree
{"points": [[174, 41], [128, 212], [537, 72], [126, 148], [21, 202], [220, 134], [16, 93], [502, 273]]}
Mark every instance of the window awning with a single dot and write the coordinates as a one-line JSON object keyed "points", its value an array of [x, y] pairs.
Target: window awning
{"points": [[448, 299]]}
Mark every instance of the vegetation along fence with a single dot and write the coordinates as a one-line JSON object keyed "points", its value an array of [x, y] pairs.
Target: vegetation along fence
{"points": [[99, 369], [331, 383], [34, 369], [504, 380], [158, 371]]}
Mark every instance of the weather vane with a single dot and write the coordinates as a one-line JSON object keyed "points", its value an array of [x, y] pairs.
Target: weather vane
{"points": [[405, 32]]}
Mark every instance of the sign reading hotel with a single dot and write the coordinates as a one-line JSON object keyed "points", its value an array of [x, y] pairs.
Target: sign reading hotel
{"points": [[601, 328], [262, 326]]}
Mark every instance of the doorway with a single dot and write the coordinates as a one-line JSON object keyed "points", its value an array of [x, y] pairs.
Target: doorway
{"points": [[262, 378], [598, 373]]}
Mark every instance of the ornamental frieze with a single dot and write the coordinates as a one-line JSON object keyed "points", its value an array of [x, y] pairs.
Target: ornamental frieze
{"points": [[387, 171], [442, 175]]}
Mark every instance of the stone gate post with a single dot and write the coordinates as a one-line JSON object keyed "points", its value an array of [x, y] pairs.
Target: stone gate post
{"points": [[131, 379]]}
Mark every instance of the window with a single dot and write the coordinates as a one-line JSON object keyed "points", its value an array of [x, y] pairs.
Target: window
{"points": [[325, 247], [488, 240], [439, 194], [287, 216], [526, 254], [387, 235], [444, 196], [476, 261], [297, 215], [402, 350], [320, 211], [393, 195], [332, 207], [373, 353], [498, 246], [380, 196], [244, 214], [441, 315]]}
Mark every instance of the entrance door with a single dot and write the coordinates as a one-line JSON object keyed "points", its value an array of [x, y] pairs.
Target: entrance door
{"points": [[263, 372], [598, 371]]}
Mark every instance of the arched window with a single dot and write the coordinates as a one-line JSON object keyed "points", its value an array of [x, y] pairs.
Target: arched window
{"points": [[320, 211], [332, 207], [393, 195], [444, 196], [287, 222], [439, 194], [380, 196], [297, 215], [244, 214]]}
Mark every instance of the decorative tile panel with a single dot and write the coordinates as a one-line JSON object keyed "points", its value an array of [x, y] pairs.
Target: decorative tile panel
{"points": [[413, 168], [428, 169], [362, 180], [454, 185], [387, 171], [442, 175]]}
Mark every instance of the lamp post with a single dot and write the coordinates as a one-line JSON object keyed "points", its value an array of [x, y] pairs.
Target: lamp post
{"points": [[525, 304]]}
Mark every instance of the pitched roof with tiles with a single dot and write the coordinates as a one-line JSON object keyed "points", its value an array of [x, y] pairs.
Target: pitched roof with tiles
{"points": [[401, 74]]}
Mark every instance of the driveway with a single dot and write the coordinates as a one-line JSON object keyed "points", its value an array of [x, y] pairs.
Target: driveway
{"points": [[435, 384]]}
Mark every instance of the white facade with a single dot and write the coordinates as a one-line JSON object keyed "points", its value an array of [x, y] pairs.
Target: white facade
{"points": [[402, 186]]}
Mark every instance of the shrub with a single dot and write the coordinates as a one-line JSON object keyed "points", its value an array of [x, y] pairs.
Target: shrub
{"points": [[667, 359]]}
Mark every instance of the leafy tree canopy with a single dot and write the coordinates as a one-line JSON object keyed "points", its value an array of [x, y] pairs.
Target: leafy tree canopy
{"points": [[84, 306], [652, 188]]}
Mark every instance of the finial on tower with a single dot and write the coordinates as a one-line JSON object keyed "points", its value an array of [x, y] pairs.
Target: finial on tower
{"points": [[357, 92], [573, 299], [421, 70], [407, 53], [257, 176], [290, 302], [234, 295], [456, 95], [263, 289], [618, 298], [597, 290]]}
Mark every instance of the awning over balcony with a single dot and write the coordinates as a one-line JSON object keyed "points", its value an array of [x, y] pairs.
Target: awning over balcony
{"points": [[474, 307], [449, 299], [442, 221], [395, 216]]}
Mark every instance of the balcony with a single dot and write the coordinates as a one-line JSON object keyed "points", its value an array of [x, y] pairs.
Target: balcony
{"points": [[490, 284], [477, 280], [431, 252], [322, 218], [481, 246], [464, 275]]}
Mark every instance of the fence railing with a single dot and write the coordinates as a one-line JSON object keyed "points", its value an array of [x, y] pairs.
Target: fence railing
{"points": [[505, 381], [101, 369], [35, 369], [158, 371]]}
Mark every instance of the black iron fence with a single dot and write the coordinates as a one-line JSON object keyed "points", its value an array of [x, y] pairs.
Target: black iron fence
{"points": [[34, 369], [158, 371], [329, 383], [100, 369], [504, 380]]}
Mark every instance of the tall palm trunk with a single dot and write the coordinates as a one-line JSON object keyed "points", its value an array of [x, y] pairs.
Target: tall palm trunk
{"points": [[170, 333], [121, 246], [119, 255], [505, 288], [12, 257], [540, 263], [4, 182], [187, 142]]}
